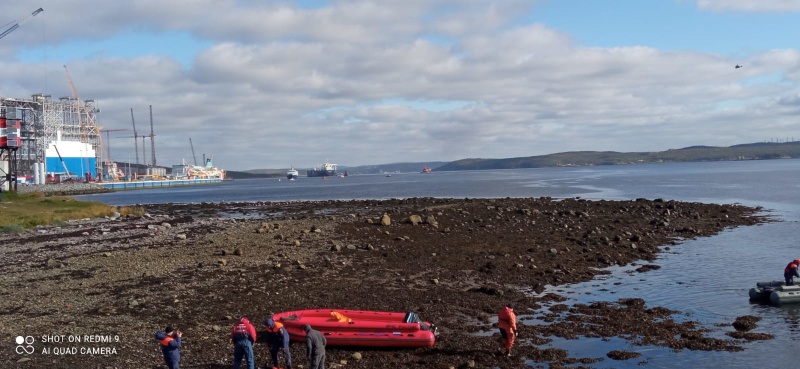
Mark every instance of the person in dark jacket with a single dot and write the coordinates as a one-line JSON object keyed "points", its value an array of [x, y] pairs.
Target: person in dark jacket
{"points": [[315, 348], [791, 271], [277, 341], [243, 335], [170, 342]]}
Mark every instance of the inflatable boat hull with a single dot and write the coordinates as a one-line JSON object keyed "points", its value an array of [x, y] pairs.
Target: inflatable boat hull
{"points": [[360, 327], [775, 292]]}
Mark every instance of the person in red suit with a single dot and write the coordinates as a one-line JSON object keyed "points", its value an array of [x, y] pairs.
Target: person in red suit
{"points": [[243, 335], [507, 322]]}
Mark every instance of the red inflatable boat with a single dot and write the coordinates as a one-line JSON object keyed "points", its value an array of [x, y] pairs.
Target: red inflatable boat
{"points": [[360, 327]]}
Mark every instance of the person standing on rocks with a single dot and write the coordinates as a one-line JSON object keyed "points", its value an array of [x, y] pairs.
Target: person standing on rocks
{"points": [[507, 322], [277, 341], [170, 343], [243, 335], [315, 348], [791, 271]]}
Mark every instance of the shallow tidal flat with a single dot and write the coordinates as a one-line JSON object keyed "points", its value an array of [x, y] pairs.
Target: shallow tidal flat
{"points": [[456, 262]]}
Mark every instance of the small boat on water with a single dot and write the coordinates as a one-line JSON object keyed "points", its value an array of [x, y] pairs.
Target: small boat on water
{"points": [[292, 174], [775, 292], [360, 327], [426, 170]]}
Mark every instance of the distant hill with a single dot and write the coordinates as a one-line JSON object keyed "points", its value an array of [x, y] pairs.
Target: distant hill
{"points": [[362, 169], [392, 167], [752, 151]]}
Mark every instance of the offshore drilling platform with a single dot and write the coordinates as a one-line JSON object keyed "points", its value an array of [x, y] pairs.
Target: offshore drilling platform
{"points": [[42, 135], [44, 140]]}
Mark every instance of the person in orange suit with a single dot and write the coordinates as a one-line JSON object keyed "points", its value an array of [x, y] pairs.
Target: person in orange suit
{"points": [[507, 322], [791, 271]]}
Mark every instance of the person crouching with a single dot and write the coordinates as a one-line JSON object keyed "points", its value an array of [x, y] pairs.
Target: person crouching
{"points": [[243, 335], [277, 341]]}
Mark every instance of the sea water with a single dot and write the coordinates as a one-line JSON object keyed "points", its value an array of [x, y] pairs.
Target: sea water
{"points": [[707, 279]]}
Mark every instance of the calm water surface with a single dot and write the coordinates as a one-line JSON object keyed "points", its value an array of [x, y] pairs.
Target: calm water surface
{"points": [[707, 279]]}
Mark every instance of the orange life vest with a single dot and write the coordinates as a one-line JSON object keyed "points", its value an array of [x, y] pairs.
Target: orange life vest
{"points": [[276, 328], [166, 341], [790, 266], [340, 317]]}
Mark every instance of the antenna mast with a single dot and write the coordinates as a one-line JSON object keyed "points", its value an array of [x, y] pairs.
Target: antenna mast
{"points": [[135, 139]]}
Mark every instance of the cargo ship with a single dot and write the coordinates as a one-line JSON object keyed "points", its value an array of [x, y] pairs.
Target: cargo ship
{"points": [[326, 170]]}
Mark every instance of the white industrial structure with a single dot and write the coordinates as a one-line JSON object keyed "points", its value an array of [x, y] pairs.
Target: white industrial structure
{"points": [[56, 137]]}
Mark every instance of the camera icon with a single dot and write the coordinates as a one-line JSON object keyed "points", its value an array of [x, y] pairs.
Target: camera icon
{"points": [[25, 345]]}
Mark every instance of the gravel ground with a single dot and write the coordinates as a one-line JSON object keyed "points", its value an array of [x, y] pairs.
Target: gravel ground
{"points": [[200, 267]]}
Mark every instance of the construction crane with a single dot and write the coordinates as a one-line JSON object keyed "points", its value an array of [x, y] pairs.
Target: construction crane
{"points": [[135, 138], [85, 126], [193, 155], [89, 128], [114, 173], [144, 157], [108, 141], [20, 22], [152, 138]]}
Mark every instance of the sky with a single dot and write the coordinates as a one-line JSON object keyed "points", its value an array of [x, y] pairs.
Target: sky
{"points": [[272, 84]]}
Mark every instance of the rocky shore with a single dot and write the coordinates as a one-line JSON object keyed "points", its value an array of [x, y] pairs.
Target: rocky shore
{"points": [[454, 261]]}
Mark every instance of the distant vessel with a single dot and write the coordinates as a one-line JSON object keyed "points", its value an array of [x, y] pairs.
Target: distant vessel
{"points": [[292, 174], [209, 171], [426, 170], [326, 170]]}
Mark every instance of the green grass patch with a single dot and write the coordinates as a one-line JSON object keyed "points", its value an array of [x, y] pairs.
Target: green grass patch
{"points": [[22, 211]]}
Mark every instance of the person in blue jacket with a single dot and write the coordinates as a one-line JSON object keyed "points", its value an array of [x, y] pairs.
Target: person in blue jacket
{"points": [[277, 340], [170, 342]]}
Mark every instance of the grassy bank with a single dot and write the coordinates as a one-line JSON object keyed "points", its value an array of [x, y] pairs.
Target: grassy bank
{"points": [[21, 211]]}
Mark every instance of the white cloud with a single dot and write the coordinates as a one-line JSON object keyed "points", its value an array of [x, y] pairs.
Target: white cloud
{"points": [[750, 6], [281, 85]]}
